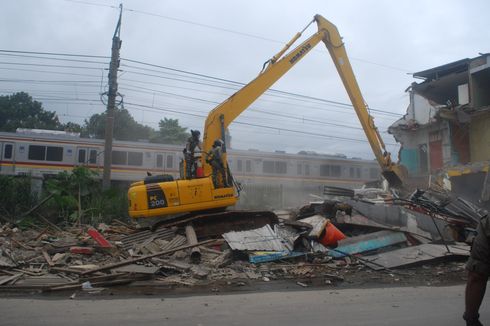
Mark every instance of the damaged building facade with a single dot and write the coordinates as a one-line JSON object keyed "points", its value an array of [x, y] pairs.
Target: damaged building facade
{"points": [[446, 130]]}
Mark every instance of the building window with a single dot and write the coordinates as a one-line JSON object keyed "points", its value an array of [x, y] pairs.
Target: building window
{"points": [[8, 151], [135, 159], [248, 166], [119, 157], [159, 160], [300, 169], [170, 161], [239, 166], [307, 169]]}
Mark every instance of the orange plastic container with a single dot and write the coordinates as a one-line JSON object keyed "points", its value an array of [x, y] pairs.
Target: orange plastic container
{"points": [[331, 236]]}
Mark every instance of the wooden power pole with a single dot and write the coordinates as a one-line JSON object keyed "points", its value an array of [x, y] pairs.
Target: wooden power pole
{"points": [[111, 103]]}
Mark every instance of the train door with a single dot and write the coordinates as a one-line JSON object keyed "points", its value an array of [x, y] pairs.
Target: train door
{"points": [[7, 158], [86, 156]]}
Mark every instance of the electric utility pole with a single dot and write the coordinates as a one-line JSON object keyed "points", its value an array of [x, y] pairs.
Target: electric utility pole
{"points": [[111, 103]]}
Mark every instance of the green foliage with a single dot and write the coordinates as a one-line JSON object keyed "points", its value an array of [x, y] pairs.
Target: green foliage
{"points": [[19, 110], [72, 127], [125, 127], [78, 197], [170, 133], [15, 197]]}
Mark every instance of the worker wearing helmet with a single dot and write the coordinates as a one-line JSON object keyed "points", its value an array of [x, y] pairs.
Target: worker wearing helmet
{"points": [[215, 159]]}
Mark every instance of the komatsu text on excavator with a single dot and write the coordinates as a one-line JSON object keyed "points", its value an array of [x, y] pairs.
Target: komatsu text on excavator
{"points": [[215, 188]]}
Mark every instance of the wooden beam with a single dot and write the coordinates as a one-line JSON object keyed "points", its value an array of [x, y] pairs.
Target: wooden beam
{"points": [[130, 261]]}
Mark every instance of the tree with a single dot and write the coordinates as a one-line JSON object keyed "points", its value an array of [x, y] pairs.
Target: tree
{"points": [[125, 127], [19, 110], [170, 132], [72, 127]]}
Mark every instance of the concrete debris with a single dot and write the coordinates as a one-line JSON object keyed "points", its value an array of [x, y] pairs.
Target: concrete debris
{"points": [[382, 234], [415, 255]]}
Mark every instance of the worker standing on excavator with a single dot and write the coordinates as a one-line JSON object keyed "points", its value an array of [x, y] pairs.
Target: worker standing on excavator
{"points": [[215, 159], [193, 144]]}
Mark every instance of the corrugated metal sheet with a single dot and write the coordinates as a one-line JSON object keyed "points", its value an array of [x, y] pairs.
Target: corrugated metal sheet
{"points": [[264, 239]]}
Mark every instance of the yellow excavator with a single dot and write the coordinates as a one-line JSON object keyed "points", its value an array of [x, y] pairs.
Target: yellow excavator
{"points": [[163, 196]]}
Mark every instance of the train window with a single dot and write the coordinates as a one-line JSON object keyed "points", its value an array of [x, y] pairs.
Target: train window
{"points": [[170, 161], [330, 170], [81, 155], [159, 161], [355, 172], [281, 167], [335, 171], [7, 151], [239, 166], [274, 167], [248, 166], [324, 170], [373, 173], [300, 169], [268, 166], [37, 152], [54, 154], [135, 158], [92, 156], [307, 169], [119, 157]]}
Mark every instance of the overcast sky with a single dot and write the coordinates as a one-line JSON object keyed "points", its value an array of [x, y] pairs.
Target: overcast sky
{"points": [[230, 40]]}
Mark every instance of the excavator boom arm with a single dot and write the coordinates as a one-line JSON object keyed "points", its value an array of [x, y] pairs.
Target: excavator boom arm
{"points": [[221, 117]]}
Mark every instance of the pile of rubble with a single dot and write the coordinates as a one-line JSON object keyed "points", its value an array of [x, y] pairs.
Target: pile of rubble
{"points": [[325, 243]]}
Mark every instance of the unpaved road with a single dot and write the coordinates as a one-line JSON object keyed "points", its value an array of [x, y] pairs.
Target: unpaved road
{"points": [[389, 306]]}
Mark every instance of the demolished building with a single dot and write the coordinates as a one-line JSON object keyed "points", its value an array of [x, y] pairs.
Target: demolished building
{"points": [[446, 130]]}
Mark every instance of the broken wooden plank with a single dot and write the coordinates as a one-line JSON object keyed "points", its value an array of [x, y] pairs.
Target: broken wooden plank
{"points": [[415, 255], [367, 242], [48, 258], [7, 279], [138, 269], [130, 261], [65, 270]]}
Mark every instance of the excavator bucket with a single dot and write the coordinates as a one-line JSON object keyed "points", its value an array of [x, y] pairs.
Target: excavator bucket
{"points": [[393, 179], [396, 175]]}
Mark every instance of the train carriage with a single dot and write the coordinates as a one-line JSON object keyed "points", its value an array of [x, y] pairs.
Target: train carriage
{"points": [[41, 153]]}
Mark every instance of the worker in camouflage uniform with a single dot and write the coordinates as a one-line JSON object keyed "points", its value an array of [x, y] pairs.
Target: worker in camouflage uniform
{"points": [[193, 144], [478, 267], [215, 159]]}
